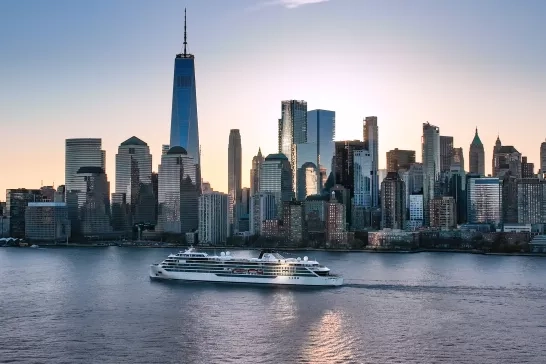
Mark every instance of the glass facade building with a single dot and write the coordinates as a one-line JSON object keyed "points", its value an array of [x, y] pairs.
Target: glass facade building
{"points": [[307, 181], [276, 178], [133, 166], [262, 207], [363, 173], [321, 130], [93, 198], [292, 131], [134, 177], [306, 164], [47, 221], [415, 212], [184, 122], [484, 200], [531, 200], [344, 164], [178, 192], [82, 152]]}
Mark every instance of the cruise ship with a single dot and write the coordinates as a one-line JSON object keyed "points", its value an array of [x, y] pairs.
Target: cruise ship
{"points": [[269, 268]]}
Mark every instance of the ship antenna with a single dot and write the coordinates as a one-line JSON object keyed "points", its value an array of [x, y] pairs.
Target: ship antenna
{"points": [[185, 37]]}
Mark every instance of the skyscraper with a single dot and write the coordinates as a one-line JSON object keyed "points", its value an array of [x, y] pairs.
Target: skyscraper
{"points": [[476, 156], [17, 201], [399, 159], [184, 125], [133, 161], [446, 152], [393, 202], [543, 157], [306, 164], [363, 167], [133, 172], [292, 130], [431, 163], [81, 152], [234, 175], [506, 158], [509, 198], [257, 161], [484, 200], [93, 195], [262, 207], [275, 178], [344, 163], [178, 192], [371, 140], [458, 158], [531, 199], [213, 219], [321, 130], [457, 190]]}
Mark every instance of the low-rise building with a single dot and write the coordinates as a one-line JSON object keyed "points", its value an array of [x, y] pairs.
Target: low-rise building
{"points": [[47, 221], [392, 238]]}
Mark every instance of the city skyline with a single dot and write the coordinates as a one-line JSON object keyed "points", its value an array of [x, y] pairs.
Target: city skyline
{"points": [[113, 105]]}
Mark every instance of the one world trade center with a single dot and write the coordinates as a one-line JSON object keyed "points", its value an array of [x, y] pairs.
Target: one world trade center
{"points": [[184, 126]]}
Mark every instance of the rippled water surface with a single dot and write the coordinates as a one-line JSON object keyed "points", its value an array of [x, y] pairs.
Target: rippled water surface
{"points": [[98, 305]]}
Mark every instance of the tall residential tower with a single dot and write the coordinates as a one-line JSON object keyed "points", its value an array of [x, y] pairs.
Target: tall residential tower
{"points": [[292, 131], [234, 175], [431, 163], [371, 140]]}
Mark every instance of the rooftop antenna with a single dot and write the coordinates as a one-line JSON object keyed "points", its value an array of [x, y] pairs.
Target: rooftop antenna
{"points": [[185, 40]]}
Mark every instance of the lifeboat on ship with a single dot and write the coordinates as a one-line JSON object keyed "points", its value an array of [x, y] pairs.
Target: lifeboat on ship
{"points": [[239, 271]]}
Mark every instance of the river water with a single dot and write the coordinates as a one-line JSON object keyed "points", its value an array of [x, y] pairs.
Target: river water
{"points": [[97, 305]]}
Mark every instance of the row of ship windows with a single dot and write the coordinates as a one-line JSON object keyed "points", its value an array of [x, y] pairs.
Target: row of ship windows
{"points": [[218, 269], [188, 266], [211, 262], [246, 275]]}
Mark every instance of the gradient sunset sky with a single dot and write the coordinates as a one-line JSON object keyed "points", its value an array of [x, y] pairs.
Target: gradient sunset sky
{"points": [[103, 68]]}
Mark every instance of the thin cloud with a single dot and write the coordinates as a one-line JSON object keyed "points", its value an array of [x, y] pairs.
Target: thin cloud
{"points": [[289, 4]]}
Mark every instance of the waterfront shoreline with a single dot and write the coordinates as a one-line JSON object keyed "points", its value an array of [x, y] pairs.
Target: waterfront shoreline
{"points": [[287, 249]]}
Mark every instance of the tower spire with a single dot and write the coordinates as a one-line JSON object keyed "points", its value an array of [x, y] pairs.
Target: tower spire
{"points": [[185, 39]]}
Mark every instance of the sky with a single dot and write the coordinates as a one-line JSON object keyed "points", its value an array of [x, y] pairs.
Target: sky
{"points": [[104, 68]]}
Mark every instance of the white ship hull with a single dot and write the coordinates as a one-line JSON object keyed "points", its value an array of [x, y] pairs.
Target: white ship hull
{"points": [[158, 273]]}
